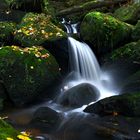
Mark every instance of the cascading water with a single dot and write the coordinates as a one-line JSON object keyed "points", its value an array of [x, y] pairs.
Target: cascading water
{"points": [[85, 68]]}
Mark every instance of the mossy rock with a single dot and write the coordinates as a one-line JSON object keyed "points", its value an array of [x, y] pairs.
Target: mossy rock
{"points": [[104, 32], [129, 52], [136, 32], [128, 13], [6, 31], [4, 4], [28, 5], [26, 73], [126, 105], [132, 83], [35, 29], [7, 131]]}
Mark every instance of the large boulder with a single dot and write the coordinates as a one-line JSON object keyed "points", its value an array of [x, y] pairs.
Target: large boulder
{"points": [[26, 72], [46, 119], [6, 32], [125, 105], [35, 29], [104, 32], [128, 13], [136, 32], [79, 95]]}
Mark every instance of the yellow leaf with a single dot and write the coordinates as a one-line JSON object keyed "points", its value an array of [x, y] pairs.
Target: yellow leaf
{"points": [[9, 138], [22, 137]]}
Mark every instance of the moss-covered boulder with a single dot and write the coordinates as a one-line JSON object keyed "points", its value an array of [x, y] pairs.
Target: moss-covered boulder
{"points": [[28, 5], [132, 83], [6, 32], [104, 32], [35, 29], [26, 73], [7, 131], [4, 4], [129, 52], [136, 32], [126, 105], [128, 13]]}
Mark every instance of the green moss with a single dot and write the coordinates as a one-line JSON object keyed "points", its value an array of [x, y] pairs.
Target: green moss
{"points": [[35, 29], [7, 131], [136, 32], [128, 13], [6, 30], [26, 72], [103, 31], [130, 51]]}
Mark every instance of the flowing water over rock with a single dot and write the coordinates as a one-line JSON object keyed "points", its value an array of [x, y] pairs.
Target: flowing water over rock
{"points": [[85, 68]]}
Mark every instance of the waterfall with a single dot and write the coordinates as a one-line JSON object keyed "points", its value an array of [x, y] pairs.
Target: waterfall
{"points": [[84, 67]]}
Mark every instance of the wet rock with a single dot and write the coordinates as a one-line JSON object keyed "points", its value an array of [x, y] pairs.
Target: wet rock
{"points": [[104, 32], [26, 73], [79, 95], [125, 105], [128, 13], [35, 29], [89, 127], [46, 119]]}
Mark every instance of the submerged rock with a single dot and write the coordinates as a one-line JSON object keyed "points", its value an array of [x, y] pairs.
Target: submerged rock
{"points": [[46, 119], [128, 13], [125, 105], [79, 95], [26, 73], [35, 29], [104, 32]]}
